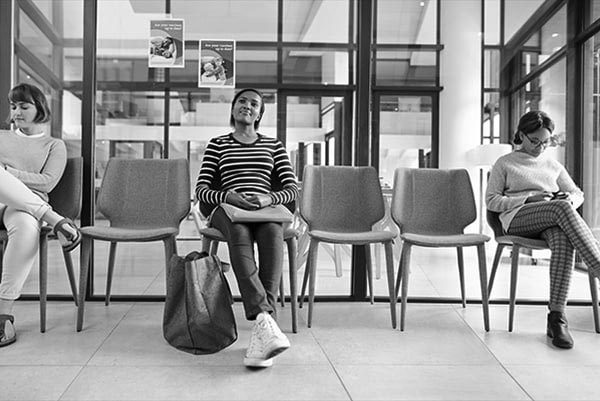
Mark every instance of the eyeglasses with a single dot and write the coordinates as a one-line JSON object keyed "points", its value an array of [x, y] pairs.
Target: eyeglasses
{"points": [[537, 143]]}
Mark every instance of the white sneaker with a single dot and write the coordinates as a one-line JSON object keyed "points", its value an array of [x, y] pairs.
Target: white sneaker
{"points": [[266, 342]]}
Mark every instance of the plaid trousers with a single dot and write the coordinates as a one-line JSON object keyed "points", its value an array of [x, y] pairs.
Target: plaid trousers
{"points": [[565, 231]]}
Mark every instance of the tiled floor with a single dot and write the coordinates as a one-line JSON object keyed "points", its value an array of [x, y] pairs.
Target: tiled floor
{"points": [[350, 353]]}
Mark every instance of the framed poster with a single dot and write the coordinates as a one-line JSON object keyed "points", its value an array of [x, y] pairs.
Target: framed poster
{"points": [[166, 44], [216, 66]]}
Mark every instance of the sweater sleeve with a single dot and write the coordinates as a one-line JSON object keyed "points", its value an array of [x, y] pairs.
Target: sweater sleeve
{"points": [[495, 199], [208, 177], [48, 177], [285, 173], [566, 184]]}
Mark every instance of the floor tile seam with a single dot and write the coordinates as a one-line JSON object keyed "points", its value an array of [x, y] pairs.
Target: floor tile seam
{"points": [[332, 365], [82, 368], [502, 366]]}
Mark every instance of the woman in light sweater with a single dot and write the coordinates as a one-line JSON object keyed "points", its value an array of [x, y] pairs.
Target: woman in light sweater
{"points": [[31, 164], [536, 197]]}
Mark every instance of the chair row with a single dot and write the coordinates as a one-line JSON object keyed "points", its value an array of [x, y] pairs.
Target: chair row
{"points": [[339, 204]]}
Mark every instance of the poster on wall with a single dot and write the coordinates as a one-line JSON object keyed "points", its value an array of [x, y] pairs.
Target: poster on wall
{"points": [[166, 44], [216, 67]]}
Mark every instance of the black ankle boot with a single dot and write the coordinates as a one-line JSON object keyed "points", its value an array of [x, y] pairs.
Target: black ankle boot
{"points": [[558, 330]]}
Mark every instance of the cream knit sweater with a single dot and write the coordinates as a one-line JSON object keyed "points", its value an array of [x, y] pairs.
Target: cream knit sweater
{"points": [[518, 175]]}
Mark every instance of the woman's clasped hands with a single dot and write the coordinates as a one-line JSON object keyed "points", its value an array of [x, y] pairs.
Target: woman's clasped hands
{"points": [[549, 196], [249, 201]]}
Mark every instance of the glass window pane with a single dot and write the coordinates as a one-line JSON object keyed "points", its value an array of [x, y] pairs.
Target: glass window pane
{"points": [[254, 20], [311, 21], [35, 41], [404, 134], [516, 12], [591, 134], [407, 21], [491, 68], [554, 34], [491, 117], [316, 66], [492, 22], [547, 92], [595, 11], [406, 68]]}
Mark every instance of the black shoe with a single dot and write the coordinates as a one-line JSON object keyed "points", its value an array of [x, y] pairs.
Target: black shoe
{"points": [[558, 330]]}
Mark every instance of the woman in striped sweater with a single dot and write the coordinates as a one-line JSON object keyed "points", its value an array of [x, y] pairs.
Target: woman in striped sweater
{"points": [[239, 168], [536, 197]]}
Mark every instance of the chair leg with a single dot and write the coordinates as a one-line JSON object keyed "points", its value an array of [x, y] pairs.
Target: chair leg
{"points": [[84, 267], [292, 250], [483, 282], [312, 262], [305, 279], [514, 270], [281, 292], [461, 274], [405, 269], [389, 264], [337, 259], [170, 250], [369, 273], [70, 274], [594, 292], [111, 268], [497, 256], [43, 254]]}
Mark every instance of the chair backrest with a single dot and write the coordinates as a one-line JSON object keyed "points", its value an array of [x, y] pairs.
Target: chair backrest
{"points": [[65, 197], [432, 201], [341, 198], [493, 219], [145, 193]]}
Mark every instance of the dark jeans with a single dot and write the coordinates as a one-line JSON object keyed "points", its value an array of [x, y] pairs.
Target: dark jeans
{"points": [[258, 285]]}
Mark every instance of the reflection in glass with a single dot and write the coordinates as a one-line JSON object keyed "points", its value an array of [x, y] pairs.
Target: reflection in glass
{"points": [[315, 66], [35, 41], [406, 68], [310, 21], [407, 21], [404, 134]]}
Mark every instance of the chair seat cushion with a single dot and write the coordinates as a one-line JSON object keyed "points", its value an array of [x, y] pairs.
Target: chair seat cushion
{"points": [[435, 241], [216, 235], [128, 234], [356, 238], [531, 243]]}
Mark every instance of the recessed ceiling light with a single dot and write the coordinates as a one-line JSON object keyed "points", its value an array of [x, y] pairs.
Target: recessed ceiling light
{"points": [[555, 35], [422, 4]]}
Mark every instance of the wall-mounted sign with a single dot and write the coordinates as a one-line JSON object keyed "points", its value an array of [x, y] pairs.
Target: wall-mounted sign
{"points": [[216, 66], [166, 44]]}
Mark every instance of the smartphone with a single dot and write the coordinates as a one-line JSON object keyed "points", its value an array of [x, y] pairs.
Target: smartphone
{"points": [[559, 195]]}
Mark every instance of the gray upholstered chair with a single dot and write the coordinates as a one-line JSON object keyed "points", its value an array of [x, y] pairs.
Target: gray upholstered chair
{"points": [[518, 243], [432, 207], [144, 200], [340, 205], [65, 199]]}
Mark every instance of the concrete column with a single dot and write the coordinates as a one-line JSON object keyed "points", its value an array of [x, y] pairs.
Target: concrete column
{"points": [[460, 65]]}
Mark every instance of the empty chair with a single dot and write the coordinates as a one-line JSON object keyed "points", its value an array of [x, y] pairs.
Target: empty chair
{"points": [[340, 205], [143, 200], [432, 208], [65, 199], [518, 243]]}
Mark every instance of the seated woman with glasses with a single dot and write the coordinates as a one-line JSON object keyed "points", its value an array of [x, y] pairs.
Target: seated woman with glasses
{"points": [[537, 198]]}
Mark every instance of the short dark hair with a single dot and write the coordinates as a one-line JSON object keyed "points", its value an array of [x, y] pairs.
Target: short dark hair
{"points": [[31, 94], [262, 106], [531, 122]]}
